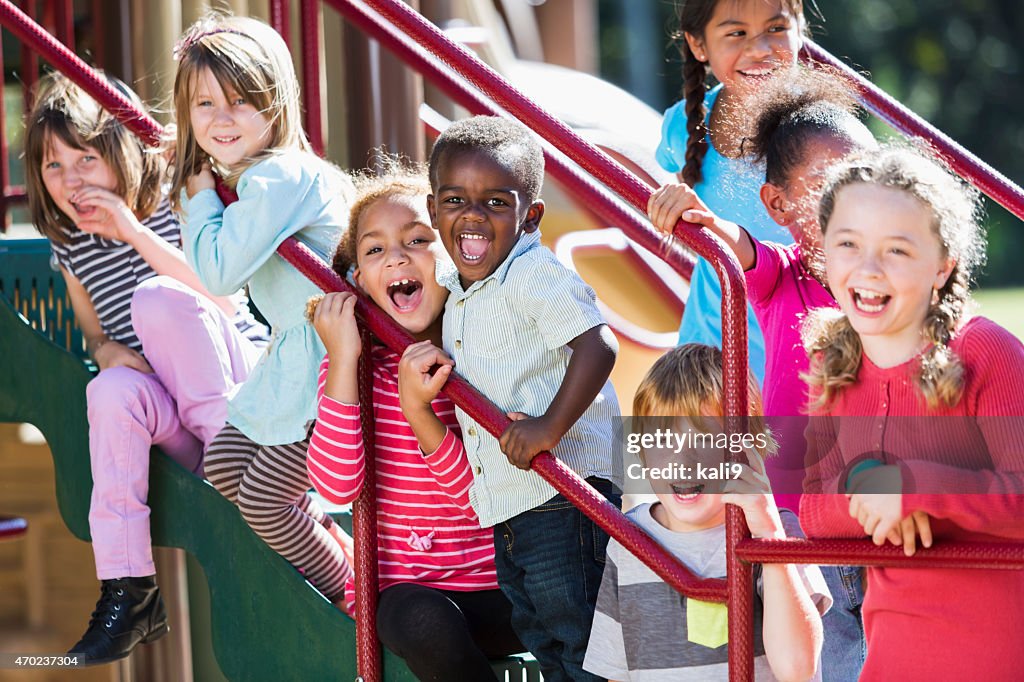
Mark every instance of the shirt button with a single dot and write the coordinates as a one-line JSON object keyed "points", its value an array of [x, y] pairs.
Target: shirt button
{"points": [[460, 302], [477, 470], [472, 430], [458, 343]]}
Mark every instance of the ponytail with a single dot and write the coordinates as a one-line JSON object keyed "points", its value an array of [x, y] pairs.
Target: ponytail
{"points": [[834, 348]]}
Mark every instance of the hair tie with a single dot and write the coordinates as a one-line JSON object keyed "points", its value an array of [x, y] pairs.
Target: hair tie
{"points": [[189, 40]]}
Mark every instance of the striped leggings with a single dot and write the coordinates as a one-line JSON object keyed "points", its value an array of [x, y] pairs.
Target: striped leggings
{"points": [[270, 486]]}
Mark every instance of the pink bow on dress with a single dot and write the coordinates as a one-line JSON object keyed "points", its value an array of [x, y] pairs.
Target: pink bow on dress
{"points": [[422, 543]]}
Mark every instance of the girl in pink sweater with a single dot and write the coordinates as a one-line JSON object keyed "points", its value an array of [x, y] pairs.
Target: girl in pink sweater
{"points": [[803, 122], [440, 607], [917, 417]]}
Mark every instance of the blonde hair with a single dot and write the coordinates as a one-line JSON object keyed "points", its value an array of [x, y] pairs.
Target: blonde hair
{"points": [[398, 176], [687, 381], [251, 58], [831, 342], [63, 111]]}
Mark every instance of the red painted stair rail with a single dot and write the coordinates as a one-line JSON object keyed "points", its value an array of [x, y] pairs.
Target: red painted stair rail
{"points": [[988, 180]]}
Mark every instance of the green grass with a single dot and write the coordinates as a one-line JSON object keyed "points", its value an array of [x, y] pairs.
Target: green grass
{"points": [[1004, 306]]}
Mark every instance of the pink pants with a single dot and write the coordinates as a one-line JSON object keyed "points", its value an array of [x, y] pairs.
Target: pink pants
{"points": [[198, 356]]}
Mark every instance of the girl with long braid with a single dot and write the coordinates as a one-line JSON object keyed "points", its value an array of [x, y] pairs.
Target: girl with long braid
{"points": [[742, 43]]}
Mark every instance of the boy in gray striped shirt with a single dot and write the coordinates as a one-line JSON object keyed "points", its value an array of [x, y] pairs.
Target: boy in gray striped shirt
{"points": [[643, 630], [526, 331]]}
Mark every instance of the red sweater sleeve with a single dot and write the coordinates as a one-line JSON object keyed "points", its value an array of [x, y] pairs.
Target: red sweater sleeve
{"points": [[828, 516], [336, 458], [987, 501], [450, 467]]}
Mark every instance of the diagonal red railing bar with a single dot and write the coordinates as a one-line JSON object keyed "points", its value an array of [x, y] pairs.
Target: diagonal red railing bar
{"points": [[484, 412], [1006, 555], [606, 205], [991, 182], [66, 61]]}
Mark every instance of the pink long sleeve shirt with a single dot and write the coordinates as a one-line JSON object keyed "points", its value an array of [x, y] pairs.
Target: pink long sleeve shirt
{"points": [[781, 291], [427, 531]]}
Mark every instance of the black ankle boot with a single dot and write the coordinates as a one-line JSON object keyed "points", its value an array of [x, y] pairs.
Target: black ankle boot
{"points": [[129, 611]]}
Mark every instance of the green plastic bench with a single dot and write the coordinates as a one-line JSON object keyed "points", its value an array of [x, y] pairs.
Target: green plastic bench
{"points": [[267, 622]]}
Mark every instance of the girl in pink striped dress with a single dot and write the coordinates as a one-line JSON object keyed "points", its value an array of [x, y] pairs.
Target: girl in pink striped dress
{"points": [[440, 607]]}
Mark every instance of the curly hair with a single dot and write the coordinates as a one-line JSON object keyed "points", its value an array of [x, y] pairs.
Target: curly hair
{"points": [[830, 340], [792, 109], [63, 111], [511, 144], [398, 176]]}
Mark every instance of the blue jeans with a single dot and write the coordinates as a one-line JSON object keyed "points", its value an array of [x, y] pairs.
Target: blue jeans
{"points": [[550, 560], [844, 649]]}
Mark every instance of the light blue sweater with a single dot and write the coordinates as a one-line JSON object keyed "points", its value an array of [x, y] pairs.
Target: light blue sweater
{"points": [[293, 193], [731, 188]]}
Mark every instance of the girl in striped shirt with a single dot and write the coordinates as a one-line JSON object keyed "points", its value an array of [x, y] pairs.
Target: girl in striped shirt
{"points": [[440, 607], [95, 192]]}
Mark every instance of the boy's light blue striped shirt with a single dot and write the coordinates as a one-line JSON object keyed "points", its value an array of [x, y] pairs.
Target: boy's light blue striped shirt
{"points": [[508, 334]]}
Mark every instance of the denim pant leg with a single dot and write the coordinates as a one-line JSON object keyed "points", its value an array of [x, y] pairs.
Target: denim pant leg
{"points": [[549, 562], [844, 649]]}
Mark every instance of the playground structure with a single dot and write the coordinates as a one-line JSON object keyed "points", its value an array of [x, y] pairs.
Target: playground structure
{"points": [[35, 375]]}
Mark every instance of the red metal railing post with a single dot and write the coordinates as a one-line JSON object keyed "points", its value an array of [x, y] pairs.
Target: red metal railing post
{"points": [[64, 20], [5, 171], [29, 60], [364, 528], [310, 37], [280, 19]]}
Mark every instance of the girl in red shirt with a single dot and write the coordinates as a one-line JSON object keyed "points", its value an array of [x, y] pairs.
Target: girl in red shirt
{"points": [[440, 607], [916, 427]]}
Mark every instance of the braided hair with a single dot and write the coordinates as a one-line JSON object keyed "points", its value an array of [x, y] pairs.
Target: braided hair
{"points": [[831, 341], [694, 16]]}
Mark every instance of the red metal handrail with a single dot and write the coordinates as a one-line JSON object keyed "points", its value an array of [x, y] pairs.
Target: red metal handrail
{"points": [[987, 179], [599, 200], [985, 555], [64, 60]]}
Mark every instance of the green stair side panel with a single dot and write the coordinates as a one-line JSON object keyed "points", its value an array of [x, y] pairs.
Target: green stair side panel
{"points": [[267, 622]]}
